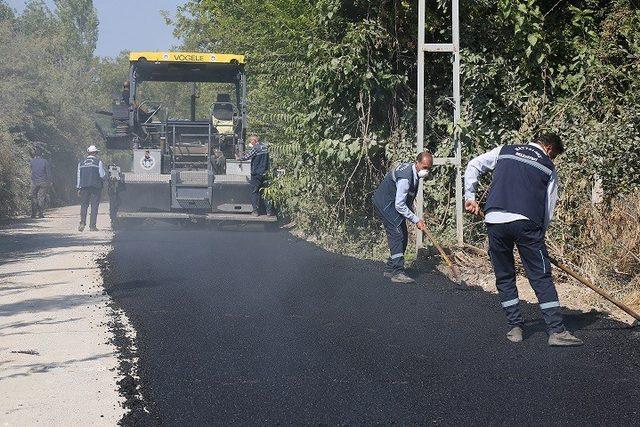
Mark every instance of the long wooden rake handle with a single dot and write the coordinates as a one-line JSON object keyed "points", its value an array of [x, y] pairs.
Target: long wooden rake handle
{"points": [[443, 254], [604, 294]]}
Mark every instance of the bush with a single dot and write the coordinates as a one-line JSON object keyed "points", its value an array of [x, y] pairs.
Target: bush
{"points": [[47, 96]]}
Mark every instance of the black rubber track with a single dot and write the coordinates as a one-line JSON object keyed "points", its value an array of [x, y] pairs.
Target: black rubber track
{"points": [[263, 328]]}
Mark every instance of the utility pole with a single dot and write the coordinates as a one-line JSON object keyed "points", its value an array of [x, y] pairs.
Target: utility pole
{"points": [[420, 112], [452, 48]]}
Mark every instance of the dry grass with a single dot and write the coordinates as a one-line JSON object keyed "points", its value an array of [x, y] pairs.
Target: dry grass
{"points": [[633, 300], [605, 245]]}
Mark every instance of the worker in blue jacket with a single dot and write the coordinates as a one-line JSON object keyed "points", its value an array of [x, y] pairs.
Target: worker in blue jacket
{"points": [[393, 203], [259, 156], [519, 208]]}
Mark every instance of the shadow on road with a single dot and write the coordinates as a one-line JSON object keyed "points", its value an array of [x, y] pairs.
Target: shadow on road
{"points": [[39, 368], [15, 247], [23, 223], [45, 321], [574, 321], [46, 270], [36, 305]]}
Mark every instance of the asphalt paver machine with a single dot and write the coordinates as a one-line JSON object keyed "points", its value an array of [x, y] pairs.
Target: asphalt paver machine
{"points": [[183, 168]]}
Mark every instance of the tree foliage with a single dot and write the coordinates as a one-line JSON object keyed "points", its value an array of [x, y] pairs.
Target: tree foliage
{"points": [[47, 95], [333, 89], [79, 26]]}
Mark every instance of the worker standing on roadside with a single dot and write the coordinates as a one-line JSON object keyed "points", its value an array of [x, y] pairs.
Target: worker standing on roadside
{"points": [[41, 180], [519, 208], [393, 202], [91, 175], [259, 156]]}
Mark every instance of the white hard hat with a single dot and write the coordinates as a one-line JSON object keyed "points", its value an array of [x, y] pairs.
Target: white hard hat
{"points": [[92, 149]]}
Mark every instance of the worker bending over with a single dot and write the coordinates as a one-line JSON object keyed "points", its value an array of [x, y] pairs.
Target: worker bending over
{"points": [[91, 175], [259, 156], [393, 202], [519, 208]]}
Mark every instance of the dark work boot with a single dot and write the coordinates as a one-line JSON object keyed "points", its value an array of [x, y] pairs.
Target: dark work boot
{"points": [[81, 227]]}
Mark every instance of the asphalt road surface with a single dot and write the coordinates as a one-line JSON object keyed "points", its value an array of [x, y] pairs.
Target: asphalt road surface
{"points": [[263, 328]]}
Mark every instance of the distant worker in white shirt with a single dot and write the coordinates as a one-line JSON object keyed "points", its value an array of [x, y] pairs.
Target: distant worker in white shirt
{"points": [[91, 176]]}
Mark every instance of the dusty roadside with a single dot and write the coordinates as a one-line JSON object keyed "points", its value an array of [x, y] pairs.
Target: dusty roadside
{"points": [[477, 271], [58, 365]]}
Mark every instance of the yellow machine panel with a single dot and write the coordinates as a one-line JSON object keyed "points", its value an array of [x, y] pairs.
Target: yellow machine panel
{"points": [[189, 57]]}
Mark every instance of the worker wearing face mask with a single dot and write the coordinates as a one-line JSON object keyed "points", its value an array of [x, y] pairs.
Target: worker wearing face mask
{"points": [[393, 202]]}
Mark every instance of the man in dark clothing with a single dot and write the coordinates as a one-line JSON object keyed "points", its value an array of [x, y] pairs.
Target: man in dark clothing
{"points": [[126, 93], [218, 162], [519, 208], [41, 180], [115, 187], [259, 156], [393, 202], [91, 175]]}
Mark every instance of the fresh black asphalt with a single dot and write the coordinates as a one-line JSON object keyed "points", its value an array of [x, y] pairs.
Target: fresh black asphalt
{"points": [[263, 328]]}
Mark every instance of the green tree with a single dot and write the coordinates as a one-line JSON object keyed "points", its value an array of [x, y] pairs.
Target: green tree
{"points": [[79, 26], [333, 88], [47, 95]]}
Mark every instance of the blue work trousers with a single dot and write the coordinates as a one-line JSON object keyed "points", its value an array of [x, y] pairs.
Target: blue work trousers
{"points": [[89, 196], [397, 238], [258, 202], [528, 237]]}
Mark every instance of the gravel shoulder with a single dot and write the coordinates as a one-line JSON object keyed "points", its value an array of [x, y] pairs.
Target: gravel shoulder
{"points": [[58, 362], [477, 271]]}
